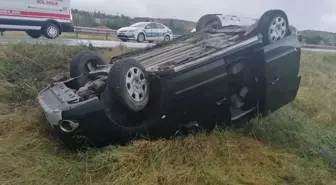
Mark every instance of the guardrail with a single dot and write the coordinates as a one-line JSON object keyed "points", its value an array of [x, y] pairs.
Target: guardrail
{"points": [[78, 30], [106, 32]]}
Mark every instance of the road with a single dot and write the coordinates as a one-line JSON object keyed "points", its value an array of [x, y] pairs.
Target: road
{"points": [[102, 43], [319, 50]]}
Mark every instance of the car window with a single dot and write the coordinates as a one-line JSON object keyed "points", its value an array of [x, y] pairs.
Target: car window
{"points": [[160, 26], [151, 26], [139, 24]]}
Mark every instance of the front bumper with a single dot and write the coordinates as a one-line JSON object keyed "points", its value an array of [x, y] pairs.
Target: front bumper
{"points": [[126, 35]]}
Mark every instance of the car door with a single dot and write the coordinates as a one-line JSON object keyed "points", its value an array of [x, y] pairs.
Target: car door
{"points": [[161, 31], [281, 73], [194, 88], [157, 32], [149, 31]]}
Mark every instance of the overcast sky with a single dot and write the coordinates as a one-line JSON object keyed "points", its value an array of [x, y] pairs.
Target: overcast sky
{"points": [[304, 14]]}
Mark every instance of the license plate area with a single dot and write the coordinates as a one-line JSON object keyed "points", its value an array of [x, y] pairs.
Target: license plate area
{"points": [[63, 93]]}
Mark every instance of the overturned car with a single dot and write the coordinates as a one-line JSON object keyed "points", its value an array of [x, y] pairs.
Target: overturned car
{"points": [[212, 77]]}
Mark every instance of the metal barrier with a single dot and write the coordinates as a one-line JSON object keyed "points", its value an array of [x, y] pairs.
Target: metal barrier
{"points": [[106, 32], [78, 30]]}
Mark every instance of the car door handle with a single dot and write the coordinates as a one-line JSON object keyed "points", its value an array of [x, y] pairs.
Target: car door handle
{"points": [[274, 81]]}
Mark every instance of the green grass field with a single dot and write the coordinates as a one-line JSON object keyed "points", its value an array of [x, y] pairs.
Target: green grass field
{"points": [[295, 145]]}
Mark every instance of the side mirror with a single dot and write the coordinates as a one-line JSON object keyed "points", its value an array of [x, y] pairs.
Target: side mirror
{"points": [[147, 27]]}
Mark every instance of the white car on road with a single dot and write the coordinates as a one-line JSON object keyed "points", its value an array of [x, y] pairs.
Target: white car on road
{"points": [[145, 31]]}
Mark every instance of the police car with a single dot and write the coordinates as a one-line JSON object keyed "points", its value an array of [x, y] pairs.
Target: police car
{"points": [[145, 31]]}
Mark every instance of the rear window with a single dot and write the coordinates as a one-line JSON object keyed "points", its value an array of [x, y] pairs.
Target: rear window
{"points": [[139, 24]]}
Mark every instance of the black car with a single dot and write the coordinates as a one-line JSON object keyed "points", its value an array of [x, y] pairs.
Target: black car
{"points": [[212, 77]]}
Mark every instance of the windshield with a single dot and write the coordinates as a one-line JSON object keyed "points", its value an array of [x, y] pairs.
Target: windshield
{"points": [[139, 24]]}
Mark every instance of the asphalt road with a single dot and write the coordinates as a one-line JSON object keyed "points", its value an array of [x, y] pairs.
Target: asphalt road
{"points": [[319, 50], [74, 42]]}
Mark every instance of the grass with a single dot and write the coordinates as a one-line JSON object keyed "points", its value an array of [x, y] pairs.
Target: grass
{"points": [[73, 35], [30, 68], [295, 145]]}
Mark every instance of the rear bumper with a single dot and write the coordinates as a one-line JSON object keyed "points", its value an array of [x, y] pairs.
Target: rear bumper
{"points": [[46, 99], [91, 122]]}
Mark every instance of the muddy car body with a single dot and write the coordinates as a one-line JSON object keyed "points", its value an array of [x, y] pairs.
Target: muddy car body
{"points": [[199, 81]]}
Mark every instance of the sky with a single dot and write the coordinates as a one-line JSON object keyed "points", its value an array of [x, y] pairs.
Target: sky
{"points": [[303, 14]]}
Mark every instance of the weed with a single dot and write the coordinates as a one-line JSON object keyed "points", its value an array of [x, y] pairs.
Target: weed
{"points": [[31, 67]]}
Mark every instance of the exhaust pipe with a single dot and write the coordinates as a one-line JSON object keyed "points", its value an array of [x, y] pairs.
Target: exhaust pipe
{"points": [[68, 126]]}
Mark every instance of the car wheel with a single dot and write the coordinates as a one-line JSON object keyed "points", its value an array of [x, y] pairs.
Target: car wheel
{"points": [[208, 21], [51, 31], [128, 82], [34, 33], [274, 26], [167, 38], [141, 37], [84, 62], [124, 40]]}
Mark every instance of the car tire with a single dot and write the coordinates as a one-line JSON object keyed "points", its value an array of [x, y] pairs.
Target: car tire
{"points": [[84, 62], [34, 33], [50, 31], [273, 25], [141, 37], [166, 38], [208, 21], [128, 84], [124, 40]]}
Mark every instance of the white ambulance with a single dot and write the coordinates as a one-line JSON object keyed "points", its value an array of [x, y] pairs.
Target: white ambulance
{"points": [[49, 18]]}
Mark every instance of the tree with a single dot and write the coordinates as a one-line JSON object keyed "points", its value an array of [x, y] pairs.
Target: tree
{"points": [[314, 40]]}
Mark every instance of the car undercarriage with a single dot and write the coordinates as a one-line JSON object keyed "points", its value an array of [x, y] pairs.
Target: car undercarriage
{"points": [[209, 78]]}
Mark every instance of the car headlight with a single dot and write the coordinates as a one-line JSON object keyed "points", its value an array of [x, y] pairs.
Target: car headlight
{"points": [[131, 30]]}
